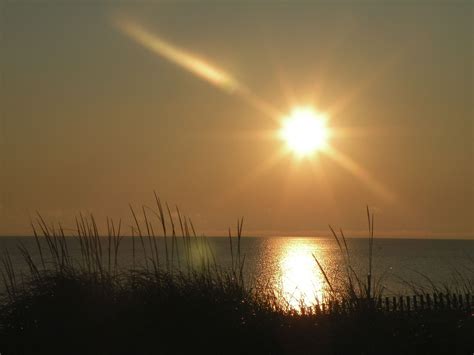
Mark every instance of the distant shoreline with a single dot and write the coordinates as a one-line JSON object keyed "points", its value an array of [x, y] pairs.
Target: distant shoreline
{"points": [[440, 238]]}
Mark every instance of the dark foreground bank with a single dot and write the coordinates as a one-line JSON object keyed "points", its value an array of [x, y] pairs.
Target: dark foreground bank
{"points": [[89, 305], [68, 312]]}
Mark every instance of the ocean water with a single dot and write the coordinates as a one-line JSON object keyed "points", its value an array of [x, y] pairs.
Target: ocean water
{"points": [[288, 264]]}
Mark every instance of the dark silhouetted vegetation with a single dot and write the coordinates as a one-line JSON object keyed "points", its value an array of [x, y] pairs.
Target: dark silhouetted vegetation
{"points": [[186, 303]]}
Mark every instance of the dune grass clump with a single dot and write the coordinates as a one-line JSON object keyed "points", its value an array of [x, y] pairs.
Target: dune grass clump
{"points": [[93, 305], [76, 313], [185, 302], [354, 290]]}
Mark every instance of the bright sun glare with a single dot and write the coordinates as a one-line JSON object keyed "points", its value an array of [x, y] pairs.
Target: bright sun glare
{"points": [[305, 131]]}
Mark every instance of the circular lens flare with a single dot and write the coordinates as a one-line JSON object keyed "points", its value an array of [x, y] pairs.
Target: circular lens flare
{"points": [[305, 131]]}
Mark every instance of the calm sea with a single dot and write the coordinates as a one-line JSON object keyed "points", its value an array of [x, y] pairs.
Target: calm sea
{"points": [[288, 264]]}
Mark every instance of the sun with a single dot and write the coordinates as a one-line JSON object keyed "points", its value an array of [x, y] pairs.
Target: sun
{"points": [[305, 131]]}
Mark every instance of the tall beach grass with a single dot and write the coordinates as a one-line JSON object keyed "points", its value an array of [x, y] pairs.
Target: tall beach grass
{"points": [[180, 300]]}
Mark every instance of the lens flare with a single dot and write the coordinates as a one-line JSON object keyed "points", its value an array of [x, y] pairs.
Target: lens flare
{"points": [[186, 60]]}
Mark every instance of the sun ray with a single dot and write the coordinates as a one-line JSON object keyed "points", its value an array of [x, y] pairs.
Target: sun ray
{"points": [[362, 174], [251, 177], [355, 92], [324, 186]]}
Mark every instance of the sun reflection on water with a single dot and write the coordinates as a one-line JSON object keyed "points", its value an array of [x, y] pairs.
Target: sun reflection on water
{"points": [[300, 282]]}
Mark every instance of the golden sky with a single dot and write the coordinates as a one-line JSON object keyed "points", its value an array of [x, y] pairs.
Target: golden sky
{"points": [[101, 105]]}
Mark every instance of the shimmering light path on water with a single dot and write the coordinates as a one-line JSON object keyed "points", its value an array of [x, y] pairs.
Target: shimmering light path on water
{"points": [[288, 265]]}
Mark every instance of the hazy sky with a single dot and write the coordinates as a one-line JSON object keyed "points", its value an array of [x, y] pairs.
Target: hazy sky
{"points": [[92, 120]]}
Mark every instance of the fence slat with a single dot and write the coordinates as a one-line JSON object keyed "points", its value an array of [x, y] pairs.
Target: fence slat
{"points": [[455, 301], [416, 303]]}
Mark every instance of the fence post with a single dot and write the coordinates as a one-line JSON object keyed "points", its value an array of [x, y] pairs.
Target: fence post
{"points": [[408, 304], [394, 303], [415, 305], [461, 303], [428, 301], [422, 302], [455, 301]]}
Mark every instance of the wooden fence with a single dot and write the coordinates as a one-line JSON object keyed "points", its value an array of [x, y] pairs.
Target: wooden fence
{"points": [[417, 303]]}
